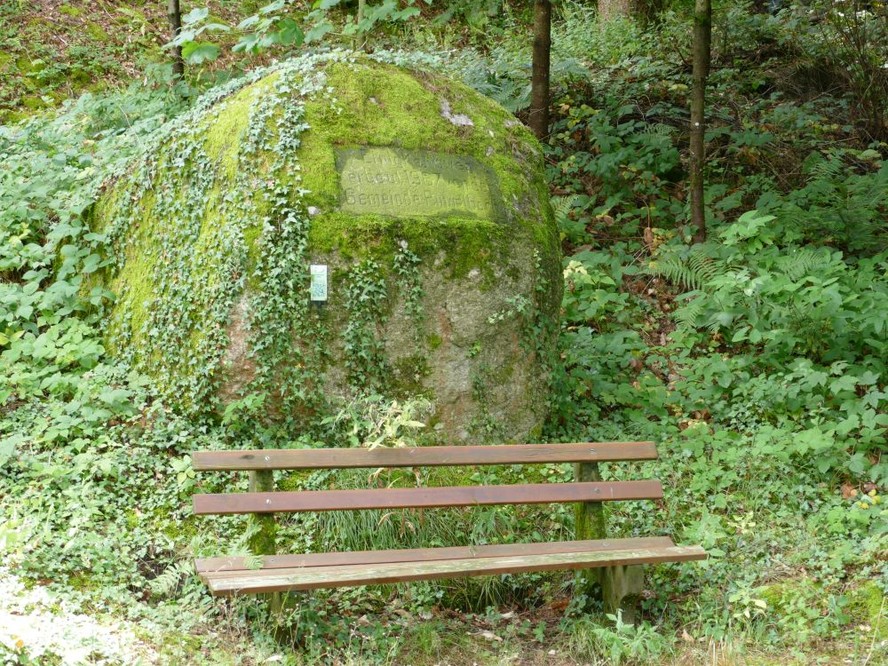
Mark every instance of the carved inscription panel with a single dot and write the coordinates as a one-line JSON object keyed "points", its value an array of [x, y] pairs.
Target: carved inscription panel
{"points": [[413, 183]]}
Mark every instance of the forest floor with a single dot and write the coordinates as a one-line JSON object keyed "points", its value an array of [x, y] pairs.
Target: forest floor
{"points": [[36, 623], [41, 628]]}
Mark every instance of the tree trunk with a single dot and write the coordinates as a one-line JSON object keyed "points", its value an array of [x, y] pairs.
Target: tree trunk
{"points": [[702, 38], [356, 41], [644, 10], [539, 82], [611, 9], [174, 14]]}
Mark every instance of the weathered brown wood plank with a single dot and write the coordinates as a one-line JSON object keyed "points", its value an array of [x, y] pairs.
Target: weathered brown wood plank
{"points": [[238, 564], [402, 498], [319, 577], [504, 454]]}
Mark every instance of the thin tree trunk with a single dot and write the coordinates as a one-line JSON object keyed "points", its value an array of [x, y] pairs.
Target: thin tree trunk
{"points": [[356, 41], [702, 38], [174, 14], [539, 82], [644, 11], [611, 9]]}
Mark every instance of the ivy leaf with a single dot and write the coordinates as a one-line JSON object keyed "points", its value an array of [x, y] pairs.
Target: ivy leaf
{"points": [[7, 447], [196, 53], [91, 264], [116, 398]]}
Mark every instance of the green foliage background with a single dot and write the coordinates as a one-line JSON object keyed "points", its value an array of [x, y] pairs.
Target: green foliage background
{"points": [[756, 360]]}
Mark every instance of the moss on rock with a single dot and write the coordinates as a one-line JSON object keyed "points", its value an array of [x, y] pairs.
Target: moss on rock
{"points": [[434, 289]]}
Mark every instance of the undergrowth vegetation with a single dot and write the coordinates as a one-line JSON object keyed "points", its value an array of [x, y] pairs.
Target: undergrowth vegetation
{"points": [[757, 360]]}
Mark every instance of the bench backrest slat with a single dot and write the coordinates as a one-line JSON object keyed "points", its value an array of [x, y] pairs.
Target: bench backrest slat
{"points": [[402, 498], [422, 456]]}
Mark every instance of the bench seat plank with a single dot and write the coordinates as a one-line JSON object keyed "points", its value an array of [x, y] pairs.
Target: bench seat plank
{"points": [[401, 498], [239, 564], [422, 456], [309, 578]]}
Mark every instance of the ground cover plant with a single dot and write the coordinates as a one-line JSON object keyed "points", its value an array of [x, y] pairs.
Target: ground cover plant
{"points": [[756, 360]]}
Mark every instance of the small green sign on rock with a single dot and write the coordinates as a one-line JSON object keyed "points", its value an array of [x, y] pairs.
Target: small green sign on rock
{"points": [[413, 183]]}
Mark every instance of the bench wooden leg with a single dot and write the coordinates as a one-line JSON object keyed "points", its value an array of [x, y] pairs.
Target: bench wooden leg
{"points": [[264, 541], [589, 525], [618, 587], [621, 588]]}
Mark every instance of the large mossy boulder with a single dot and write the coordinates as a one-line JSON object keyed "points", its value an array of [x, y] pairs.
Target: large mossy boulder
{"points": [[425, 201]]}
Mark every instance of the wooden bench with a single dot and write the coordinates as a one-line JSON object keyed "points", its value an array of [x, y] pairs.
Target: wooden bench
{"points": [[616, 560]]}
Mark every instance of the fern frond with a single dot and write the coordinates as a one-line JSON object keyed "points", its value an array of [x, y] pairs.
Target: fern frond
{"points": [[689, 315], [563, 205], [705, 268], [826, 169], [659, 129], [800, 263], [168, 581], [253, 561], [693, 271]]}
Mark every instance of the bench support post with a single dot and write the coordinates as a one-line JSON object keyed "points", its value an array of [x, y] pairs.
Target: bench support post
{"points": [[618, 587], [263, 541], [589, 525], [621, 588]]}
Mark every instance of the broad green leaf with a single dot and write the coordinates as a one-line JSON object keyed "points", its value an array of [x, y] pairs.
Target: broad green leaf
{"points": [[8, 445], [272, 7], [249, 43], [847, 425], [318, 30], [195, 15], [406, 13], [290, 33], [248, 22], [91, 264], [199, 52], [868, 378]]}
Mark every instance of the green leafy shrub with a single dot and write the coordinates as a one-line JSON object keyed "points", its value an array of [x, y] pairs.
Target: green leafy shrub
{"points": [[620, 644], [842, 203], [807, 340], [848, 43]]}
